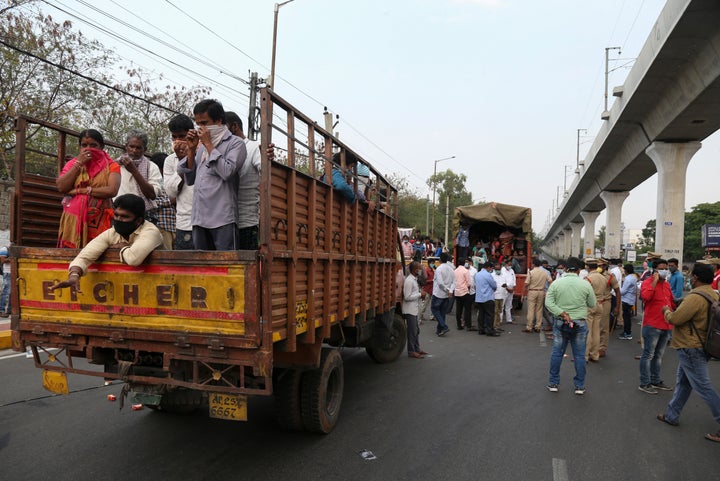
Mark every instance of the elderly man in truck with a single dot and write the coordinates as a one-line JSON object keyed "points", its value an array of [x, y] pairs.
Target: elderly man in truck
{"points": [[135, 238]]}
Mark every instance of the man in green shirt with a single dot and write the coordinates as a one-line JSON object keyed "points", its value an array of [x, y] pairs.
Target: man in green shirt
{"points": [[568, 299]]}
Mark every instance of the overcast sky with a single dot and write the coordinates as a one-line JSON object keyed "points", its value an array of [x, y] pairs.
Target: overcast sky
{"points": [[503, 85]]}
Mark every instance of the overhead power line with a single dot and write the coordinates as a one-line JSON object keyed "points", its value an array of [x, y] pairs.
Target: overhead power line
{"points": [[90, 79]]}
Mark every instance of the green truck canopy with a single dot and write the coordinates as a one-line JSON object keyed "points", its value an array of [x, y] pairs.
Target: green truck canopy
{"points": [[513, 216]]}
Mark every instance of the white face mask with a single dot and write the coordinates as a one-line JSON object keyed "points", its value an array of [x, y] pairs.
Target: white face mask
{"points": [[664, 273], [467, 266], [217, 132]]}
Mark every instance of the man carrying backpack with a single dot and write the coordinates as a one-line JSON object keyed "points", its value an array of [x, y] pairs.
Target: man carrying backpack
{"points": [[690, 328]]}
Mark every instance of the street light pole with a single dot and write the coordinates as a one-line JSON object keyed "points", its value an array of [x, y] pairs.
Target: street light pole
{"points": [[432, 226], [606, 115], [271, 83], [577, 156]]}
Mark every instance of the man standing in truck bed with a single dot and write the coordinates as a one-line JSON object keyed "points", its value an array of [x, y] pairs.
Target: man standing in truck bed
{"points": [[214, 158]]}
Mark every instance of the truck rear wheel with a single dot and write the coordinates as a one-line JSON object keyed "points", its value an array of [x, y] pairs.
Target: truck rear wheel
{"points": [[287, 399], [388, 343], [322, 393]]}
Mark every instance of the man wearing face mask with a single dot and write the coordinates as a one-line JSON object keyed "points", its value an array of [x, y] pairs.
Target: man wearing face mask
{"points": [[485, 287], [656, 331], [212, 163], [462, 295], [130, 233], [500, 294], [428, 288], [598, 318]]}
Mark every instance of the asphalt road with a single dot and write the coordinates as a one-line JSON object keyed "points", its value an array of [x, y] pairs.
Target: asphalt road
{"points": [[477, 409]]}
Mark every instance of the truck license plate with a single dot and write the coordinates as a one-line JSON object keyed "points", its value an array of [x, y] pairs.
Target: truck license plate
{"points": [[55, 381], [232, 407]]}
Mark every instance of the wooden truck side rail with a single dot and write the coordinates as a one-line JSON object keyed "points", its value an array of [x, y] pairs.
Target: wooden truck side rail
{"points": [[330, 261]]}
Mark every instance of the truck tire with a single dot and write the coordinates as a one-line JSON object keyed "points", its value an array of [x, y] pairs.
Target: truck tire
{"points": [[388, 344], [181, 401], [287, 399], [322, 393]]}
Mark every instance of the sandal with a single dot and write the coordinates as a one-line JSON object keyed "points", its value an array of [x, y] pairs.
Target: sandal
{"points": [[713, 437], [661, 417]]}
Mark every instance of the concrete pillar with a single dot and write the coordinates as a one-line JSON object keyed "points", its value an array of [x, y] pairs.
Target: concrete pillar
{"points": [[575, 246], [671, 161], [568, 243], [561, 245], [589, 244], [613, 211]]}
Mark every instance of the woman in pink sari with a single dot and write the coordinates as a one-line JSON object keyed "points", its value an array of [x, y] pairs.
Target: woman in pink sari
{"points": [[89, 182]]}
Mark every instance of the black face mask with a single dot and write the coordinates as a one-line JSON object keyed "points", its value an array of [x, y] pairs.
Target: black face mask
{"points": [[125, 228]]}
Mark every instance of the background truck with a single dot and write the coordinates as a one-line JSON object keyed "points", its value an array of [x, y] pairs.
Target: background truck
{"points": [[494, 221], [188, 329]]}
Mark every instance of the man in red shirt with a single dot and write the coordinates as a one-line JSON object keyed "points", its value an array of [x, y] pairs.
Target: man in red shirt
{"points": [[428, 287], [656, 331], [715, 263]]}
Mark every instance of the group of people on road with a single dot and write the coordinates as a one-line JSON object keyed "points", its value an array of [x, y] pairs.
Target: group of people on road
{"points": [[680, 321]]}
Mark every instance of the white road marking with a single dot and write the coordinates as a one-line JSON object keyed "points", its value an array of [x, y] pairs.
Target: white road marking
{"points": [[560, 470]]}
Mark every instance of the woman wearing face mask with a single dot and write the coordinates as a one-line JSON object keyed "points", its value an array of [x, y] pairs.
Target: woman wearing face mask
{"points": [[89, 181], [656, 331]]}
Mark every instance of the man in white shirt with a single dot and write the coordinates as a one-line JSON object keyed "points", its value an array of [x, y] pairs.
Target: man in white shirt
{"points": [[410, 309], [443, 289], [500, 294], [138, 175], [617, 271], [248, 198], [471, 306], [509, 274], [175, 186]]}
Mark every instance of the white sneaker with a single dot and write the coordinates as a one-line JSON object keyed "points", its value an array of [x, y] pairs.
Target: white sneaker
{"points": [[29, 353]]}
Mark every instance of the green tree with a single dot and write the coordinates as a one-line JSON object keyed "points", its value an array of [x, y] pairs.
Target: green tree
{"points": [[600, 240], [647, 242], [707, 213], [450, 186], [31, 86], [412, 206]]}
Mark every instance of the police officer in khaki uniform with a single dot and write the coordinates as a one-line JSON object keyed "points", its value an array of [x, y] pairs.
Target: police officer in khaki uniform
{"points": [[535, 285], [599, 316]]}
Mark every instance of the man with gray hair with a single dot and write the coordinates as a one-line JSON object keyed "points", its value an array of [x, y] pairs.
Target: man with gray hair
{"points": [[138, 175]]}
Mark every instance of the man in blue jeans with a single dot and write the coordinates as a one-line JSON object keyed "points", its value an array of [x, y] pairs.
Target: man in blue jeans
{"points": [[443, 288], [568, 300], [690, 325], [656, 294]]}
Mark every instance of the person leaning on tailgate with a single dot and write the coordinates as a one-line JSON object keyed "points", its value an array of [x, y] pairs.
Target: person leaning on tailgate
{"points": [[135, 238]]}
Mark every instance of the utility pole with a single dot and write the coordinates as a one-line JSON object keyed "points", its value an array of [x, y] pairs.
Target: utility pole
{"points": [[253, 111], [577, 155], [606, 114], [427, 215], [447, 217]]}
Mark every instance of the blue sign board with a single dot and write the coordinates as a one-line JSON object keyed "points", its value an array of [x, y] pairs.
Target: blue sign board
{"points": [[711, 235]]}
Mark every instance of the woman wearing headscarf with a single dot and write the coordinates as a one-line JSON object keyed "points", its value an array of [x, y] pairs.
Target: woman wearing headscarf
{"points": [[89, 182]]}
